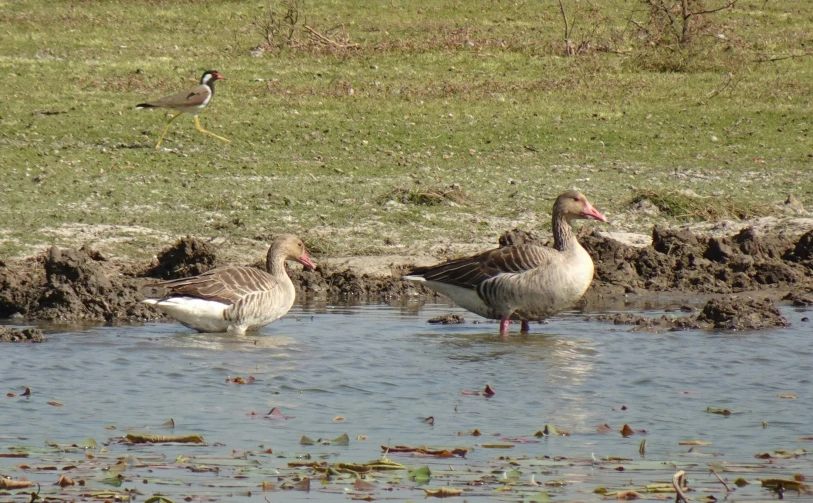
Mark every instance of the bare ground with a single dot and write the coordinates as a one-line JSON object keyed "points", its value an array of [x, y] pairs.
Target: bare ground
{"points": [[740, 271]]}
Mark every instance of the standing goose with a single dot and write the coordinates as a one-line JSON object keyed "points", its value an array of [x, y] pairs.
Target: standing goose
{"points": [[191, 101], [522, 282], [235, 298]]}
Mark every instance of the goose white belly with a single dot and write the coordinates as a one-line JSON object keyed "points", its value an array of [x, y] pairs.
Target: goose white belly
{"points": [[467, 298], [202, 315]]}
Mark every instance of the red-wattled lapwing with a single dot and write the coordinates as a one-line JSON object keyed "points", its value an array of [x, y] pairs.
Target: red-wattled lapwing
{"points": [[191, 101]]}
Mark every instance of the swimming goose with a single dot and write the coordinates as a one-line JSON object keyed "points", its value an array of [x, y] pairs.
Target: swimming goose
{"points": [[522, 282], [235, 298]]}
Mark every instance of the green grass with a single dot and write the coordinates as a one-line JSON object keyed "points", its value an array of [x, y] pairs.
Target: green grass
{"points": [[468, 93]]}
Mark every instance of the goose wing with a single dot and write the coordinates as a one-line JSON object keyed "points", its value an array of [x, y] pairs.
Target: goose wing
{"points": [[229, 284], [469, 272]]}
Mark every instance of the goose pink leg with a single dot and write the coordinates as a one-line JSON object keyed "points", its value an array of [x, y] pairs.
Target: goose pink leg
{"points": [[526, 327], [504, 322]]}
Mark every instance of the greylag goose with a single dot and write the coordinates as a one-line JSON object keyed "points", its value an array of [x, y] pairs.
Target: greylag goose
{"points": [[522, 282], [235, 298], [191, 101]]}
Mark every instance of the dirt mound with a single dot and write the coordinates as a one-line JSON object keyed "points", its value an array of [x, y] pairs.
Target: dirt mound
{"points": [[326, 280], [729, 313], [187, 257], [70, 285], [518, 237], [803, 250], [742, 314], [800, 299], [679, 260], [447, 319], [8, 334]]}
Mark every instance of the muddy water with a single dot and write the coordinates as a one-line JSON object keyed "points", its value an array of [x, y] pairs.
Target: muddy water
{"points": [[384, 370]]}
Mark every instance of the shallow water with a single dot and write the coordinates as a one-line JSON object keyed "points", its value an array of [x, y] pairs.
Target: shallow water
{"points": [[384, 370]]}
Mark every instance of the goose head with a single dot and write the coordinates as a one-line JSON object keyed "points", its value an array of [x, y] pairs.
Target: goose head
{"points": [[290, 247], [572, 205]]}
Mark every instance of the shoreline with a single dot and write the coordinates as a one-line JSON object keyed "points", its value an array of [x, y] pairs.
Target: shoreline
{"points": [[739, 275]]}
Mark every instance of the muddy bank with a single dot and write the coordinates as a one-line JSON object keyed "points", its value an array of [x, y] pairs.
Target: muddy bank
{"points": [[68, 285]]}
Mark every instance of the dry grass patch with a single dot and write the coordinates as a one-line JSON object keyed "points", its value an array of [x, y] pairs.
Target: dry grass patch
{"points": [[686, 205], [429, 196]]}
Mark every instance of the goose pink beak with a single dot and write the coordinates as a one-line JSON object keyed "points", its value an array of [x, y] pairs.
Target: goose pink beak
{"points": [[592, 213], [306, 261]]}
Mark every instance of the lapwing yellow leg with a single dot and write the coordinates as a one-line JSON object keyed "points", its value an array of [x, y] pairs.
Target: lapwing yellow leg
{"points": [[166, 128], [200, 128]]}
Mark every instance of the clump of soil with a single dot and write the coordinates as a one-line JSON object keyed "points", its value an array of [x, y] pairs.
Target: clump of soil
{"points": [[742, 314], [729, 313], [799, 299], [679, 260], [70, 285], [328, 280], [644, 324], [516, 237], [8, 334], [447, 319], [187, 257]]}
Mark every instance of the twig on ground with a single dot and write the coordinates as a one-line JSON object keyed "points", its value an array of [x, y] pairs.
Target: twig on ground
{"points": [[727, 489], [678, 481]]}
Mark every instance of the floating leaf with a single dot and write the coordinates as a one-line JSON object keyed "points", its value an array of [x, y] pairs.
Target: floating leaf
{"points": [[55, 404], [497, 446], [113, 479], [14, 484], [65, 481], [27, 392], [443, 492], [268, 486], [626, 431], [519, 440], [420, 475], [363, 485], [163, 439], [722, 412], [168, 424], [240, 380], [341, 440], [627, 495], [789, 396], [443, 453], [551, 431], [158, 499], [783, 484], [338, 418], [429, 420], [740, 482], [604, 428], [275, 413], [305, 440], [487, 392], [87, 444], [694, 442]]}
